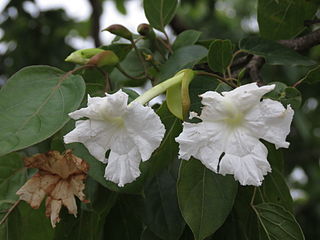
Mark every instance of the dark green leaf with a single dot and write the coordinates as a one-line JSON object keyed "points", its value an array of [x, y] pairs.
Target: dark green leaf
{"points": [[148, 235], [220, 55], [120, 49], [162, 213], [26, 223], [283, 19], [274, 53], [275, 190], [132, 95], [205, 198], [186, 38], [184, 57], [286, 95], [246, 217], [13, 175], [34, 104], [160, 12], [122, 222], [313, 76], [132, 66], [277, 222]]}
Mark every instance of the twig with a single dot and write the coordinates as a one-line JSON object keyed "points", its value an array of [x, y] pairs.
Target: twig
{"points": [[254, 67], [9, 211], [302, 43], [95, 21], [309, 23], [128, 75], [221, 79], [108, 85], [143, 62], [166, 45]]}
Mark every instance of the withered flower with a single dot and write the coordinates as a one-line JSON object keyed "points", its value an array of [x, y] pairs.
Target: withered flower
{"points": [[60, 178]]}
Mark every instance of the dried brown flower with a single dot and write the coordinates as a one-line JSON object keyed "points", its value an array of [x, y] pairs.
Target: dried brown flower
{"points": [[60, 178]]}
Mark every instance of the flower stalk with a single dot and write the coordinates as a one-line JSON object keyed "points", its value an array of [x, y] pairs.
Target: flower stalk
{"points": [[160, 88]]}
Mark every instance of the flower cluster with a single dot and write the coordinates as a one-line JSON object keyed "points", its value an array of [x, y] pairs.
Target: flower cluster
{"points": [[226, 141]]}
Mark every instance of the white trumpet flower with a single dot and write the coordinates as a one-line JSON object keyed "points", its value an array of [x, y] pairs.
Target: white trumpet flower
{"points": [[227, 139], [131, 132]]}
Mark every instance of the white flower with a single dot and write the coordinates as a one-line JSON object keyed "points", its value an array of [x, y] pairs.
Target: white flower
{"points": [[132, 132], [227, 139]]}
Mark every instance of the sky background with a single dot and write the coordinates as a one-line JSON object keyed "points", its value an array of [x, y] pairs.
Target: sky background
{"points": [[80, 10]]}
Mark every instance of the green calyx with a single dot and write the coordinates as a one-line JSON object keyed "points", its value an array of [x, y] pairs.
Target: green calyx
{"points": [[105, 58], [177, 89], [178, 99]]}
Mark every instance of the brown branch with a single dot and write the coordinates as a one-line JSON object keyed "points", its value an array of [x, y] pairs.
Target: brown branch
{"points": [[302, 43], [254, 67], [95, 21], [254, 64], [309, 23]]}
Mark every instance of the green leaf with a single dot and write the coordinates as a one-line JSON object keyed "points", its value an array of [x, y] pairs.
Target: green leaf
{"points": [[122, 222], [275, 190], [283, 19], [220, 55], [13, 175], [132, 66], [26, 223], [185, 57], [274, 53], [313, 76], [35, 103], [186, 38], [286, 95], [120, 49], [162, 213], [205, 198], [148, 235], [277, 222], [246, 217], [160, 12]]}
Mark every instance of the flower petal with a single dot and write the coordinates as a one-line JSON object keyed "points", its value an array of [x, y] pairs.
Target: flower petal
{"points": [[100, 108], [123, 168], [198, 140], [97, 136], [270, 121], [213, 107], [145, 128], [248, 169], [246, 96]]}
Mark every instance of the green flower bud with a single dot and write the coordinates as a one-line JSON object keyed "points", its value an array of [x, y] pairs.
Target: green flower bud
{"points": [[83, 56], [146, 30], [120, 31]]}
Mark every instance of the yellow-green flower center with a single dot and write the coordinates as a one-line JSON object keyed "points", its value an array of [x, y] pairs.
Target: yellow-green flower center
{"points": [[234, 117]]}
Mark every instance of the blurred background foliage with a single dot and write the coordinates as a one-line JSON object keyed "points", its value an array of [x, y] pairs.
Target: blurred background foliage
{"points": [[42, 38]]}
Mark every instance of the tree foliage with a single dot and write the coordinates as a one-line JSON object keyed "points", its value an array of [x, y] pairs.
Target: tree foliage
{"points": [[172, 199]]}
